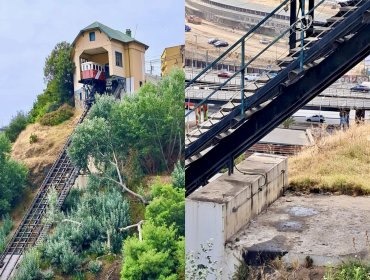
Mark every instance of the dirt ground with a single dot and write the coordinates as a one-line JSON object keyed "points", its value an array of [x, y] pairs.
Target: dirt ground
{"points": [[39, 156]]}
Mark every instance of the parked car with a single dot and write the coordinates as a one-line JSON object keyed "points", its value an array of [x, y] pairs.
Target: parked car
{"points": [[187, 28], [220, 44], [251, 76], [265, 41], [316, 118], [360, 88], [212, 40], [224, 74]]}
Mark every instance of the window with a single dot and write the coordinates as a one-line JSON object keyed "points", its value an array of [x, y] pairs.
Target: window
{"points": [[119, 59], [92, 36]]}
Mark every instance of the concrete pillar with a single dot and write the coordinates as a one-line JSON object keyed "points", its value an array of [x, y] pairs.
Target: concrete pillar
{"points": [[220, 209]]}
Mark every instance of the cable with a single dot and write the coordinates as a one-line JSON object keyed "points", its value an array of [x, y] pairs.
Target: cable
{"points": [[254, 173]]}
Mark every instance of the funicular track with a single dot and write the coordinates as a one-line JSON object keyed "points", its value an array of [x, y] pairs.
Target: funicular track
{"points": [[32, 230]]}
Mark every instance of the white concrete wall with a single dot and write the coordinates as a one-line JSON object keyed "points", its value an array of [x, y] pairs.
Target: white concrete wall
{"points": [[219, 210]]}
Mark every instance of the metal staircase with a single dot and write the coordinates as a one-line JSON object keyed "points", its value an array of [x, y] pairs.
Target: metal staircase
{"points": [[319, 53], [31, 231]]}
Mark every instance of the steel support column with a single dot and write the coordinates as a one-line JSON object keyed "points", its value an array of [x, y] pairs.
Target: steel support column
{"points": [[301, 56], [311, 5], [242, 75], [293, 19]]}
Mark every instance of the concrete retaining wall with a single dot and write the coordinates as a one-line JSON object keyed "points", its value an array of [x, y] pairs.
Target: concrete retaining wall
{"points": [[220, 209]]}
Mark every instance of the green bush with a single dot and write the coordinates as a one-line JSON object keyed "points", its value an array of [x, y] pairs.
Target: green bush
{"points": [[13, 177], [354, 270], [94, 266], [178, 176], [69, 260], [33, 138], [4, 231], [47, 274], [167, 207], [57, 117], [29, 268], [16, 126]]}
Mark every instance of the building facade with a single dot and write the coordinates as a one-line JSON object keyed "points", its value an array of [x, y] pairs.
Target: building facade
{"points": [[172, 57], [113, 52]]}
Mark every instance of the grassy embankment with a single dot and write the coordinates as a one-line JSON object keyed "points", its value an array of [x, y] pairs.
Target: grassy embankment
{"points": [[338, 163], [39, 156]]}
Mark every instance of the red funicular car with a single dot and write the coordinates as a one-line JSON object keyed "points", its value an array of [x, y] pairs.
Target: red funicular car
{"points": [[92, 70]]}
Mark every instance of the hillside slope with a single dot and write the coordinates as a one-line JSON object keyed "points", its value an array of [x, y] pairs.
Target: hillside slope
{"points": [[40, 155], [339, 163]]}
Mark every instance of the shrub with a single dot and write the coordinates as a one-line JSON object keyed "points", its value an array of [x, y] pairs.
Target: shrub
{"points": [[69, 260], [167, 207], [178, 176], [13, 177], [33, 138], [29, 268], [355, 270], [16, 126], [47, 274], [94, 266], [57, 117], [4, 231]]}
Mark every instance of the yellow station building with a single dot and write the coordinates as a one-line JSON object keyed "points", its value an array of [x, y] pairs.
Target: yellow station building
{"points": [[172, 57], [119, 54]]}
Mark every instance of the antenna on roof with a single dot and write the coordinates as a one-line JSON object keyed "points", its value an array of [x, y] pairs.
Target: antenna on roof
{"points": [[135, 31]]}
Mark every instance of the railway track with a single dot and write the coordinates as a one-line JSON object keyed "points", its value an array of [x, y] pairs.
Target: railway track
{"points": [[32, 230]]}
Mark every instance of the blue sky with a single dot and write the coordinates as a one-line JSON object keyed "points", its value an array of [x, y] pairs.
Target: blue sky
{"points": [[29, 30]]}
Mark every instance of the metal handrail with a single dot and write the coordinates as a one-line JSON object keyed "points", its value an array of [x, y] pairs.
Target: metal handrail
{"points": [[245, 64], [236, 43]]}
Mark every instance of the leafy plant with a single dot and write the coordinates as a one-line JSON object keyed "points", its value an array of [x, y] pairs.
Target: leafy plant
{"points": [[167, 207], [33, 138], [288, 122], [13, 177], [95, 266], [62, 114], [4, 231], [29, 267], [156, 257], [199, 265], [178, 176], [16, 126]]}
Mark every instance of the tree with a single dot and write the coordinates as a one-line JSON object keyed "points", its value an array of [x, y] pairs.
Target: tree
{"points": [[161, 252], [58, 76], [58, 71], [13, 176], [167, 207], [96, 138], [17, 124], [158, 122], [156, 257]]}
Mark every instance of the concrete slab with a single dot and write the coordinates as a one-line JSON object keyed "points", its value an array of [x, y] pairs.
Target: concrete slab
{"points": [[288, 137], [327, 228]]}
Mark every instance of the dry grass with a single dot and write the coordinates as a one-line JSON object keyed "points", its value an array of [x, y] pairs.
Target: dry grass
{"points": [[338, 163], [39, 156]]}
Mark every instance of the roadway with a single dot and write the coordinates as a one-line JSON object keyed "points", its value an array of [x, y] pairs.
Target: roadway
{"points": [[335, 97]]}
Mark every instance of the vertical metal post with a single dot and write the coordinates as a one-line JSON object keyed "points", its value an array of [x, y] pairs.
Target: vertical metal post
{"points": [[230, 166], [302, 2], [293, 19], [311, 5], [242, 75]]}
